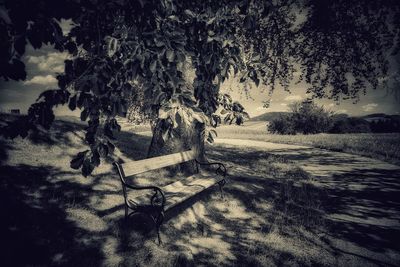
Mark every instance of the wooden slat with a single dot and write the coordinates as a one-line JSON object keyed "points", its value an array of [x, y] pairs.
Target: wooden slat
{"points": [[179, 191], [140, 166]]}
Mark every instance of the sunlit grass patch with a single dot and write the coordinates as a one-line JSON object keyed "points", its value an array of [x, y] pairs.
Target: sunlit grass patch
{"points": [[384, 146]]}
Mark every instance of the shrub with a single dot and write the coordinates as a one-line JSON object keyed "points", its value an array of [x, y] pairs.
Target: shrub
{"points": [[351, 125], [282, 125], [306, 117], [388, 125]]}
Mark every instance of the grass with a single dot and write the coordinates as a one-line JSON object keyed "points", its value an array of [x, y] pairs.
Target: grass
{"points": [[271, 214], [385, 146]]}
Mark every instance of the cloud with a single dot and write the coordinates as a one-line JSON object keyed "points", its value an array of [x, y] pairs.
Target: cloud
{"points": [[341, 111], [42, 80], [284, 104], [52, 62], [293, 98], [369, 107], [66, 25]]}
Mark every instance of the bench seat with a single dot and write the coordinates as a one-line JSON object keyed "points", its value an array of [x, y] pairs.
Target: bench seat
{"points": [[176, 192]]}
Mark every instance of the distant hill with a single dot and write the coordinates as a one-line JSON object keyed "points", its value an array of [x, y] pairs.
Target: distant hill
{"points": [[379, 117], [269, 116], [373, 115]]}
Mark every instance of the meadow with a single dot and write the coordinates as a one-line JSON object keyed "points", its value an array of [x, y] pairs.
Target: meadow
{"points": [[272, 213], [384, 146]]}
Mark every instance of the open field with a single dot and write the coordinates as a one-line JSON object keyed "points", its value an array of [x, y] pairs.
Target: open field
{"points": [[380, 146], [271, 214]]}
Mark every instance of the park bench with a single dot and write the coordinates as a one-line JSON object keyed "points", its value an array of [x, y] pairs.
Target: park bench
{"points": [[155, 200]]}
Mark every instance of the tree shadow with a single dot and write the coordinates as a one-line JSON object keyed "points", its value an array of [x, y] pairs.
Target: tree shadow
{"points": [[221, 236], [55, 217], [365, 208], [4, 148], [362, 203], [133, 146], [36, 229]]}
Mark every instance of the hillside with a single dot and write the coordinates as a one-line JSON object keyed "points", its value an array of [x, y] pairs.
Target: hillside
{"points": [[268, 116]]}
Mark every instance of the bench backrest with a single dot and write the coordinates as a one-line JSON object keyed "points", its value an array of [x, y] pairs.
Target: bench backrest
{"points": [[140, 166]]}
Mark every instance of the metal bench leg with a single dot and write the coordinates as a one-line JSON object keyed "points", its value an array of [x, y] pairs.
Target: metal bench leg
{"points": [[158, 221], [221, 184], [126, 212]]}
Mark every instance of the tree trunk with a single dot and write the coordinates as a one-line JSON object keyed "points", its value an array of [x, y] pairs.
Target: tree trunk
{"points": [[185, 138]]}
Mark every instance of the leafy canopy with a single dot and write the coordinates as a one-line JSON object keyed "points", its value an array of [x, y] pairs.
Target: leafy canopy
{"points": [[126, 50]]}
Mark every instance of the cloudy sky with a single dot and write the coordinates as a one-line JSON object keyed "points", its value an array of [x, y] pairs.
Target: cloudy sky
{"points": [[375, 101], [44, 64]]}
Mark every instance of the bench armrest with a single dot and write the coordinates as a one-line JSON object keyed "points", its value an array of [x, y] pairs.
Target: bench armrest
{"points": [[154, 198], [221, 170]]}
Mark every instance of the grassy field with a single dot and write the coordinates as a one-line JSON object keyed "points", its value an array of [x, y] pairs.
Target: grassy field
{"points": [[52, 216], [380, 146]]}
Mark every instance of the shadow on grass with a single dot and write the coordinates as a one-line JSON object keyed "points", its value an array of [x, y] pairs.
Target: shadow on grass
{"points": [[364, 208], [362, 204], [35, 228], [58, 218]]}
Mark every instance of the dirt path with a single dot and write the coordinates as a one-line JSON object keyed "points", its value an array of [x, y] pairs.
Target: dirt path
{"points": [[363, 201]]}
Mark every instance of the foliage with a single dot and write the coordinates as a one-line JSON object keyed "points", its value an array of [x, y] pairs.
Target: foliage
{"points": [[282, 125], [387, 125], [233, 110], [119, 43], [351, 125], [305, 117]]}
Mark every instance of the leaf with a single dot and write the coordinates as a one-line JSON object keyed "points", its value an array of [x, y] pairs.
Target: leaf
{"points": [[162, 114], [212, 131], [95, 158], [84, 114], [153, 66], [19, 45], [210, 138], [112, 46], [165, 135], [256, 81], [111, 147], [103, 150], [189, 13], [197, 117], [210, 21], [77, 162], [170, 55], [227, 118], [72, 103], [87, 167]]}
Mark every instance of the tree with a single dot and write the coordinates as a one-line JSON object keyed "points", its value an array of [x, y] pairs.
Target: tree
{"points": [[305, 117], [351, 125], [338, 47]]}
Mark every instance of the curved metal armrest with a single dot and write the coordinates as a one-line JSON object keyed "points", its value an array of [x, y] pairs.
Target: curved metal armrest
{"points": [[156, 191], [221, 170]]}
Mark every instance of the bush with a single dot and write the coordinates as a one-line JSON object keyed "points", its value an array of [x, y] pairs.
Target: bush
{"points": [[282, 125], [306, 117], [351, 125], [388, 125]]}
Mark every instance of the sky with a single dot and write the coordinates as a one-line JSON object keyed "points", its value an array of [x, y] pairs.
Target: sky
{"points": [[375, 101], [43, 65]]}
